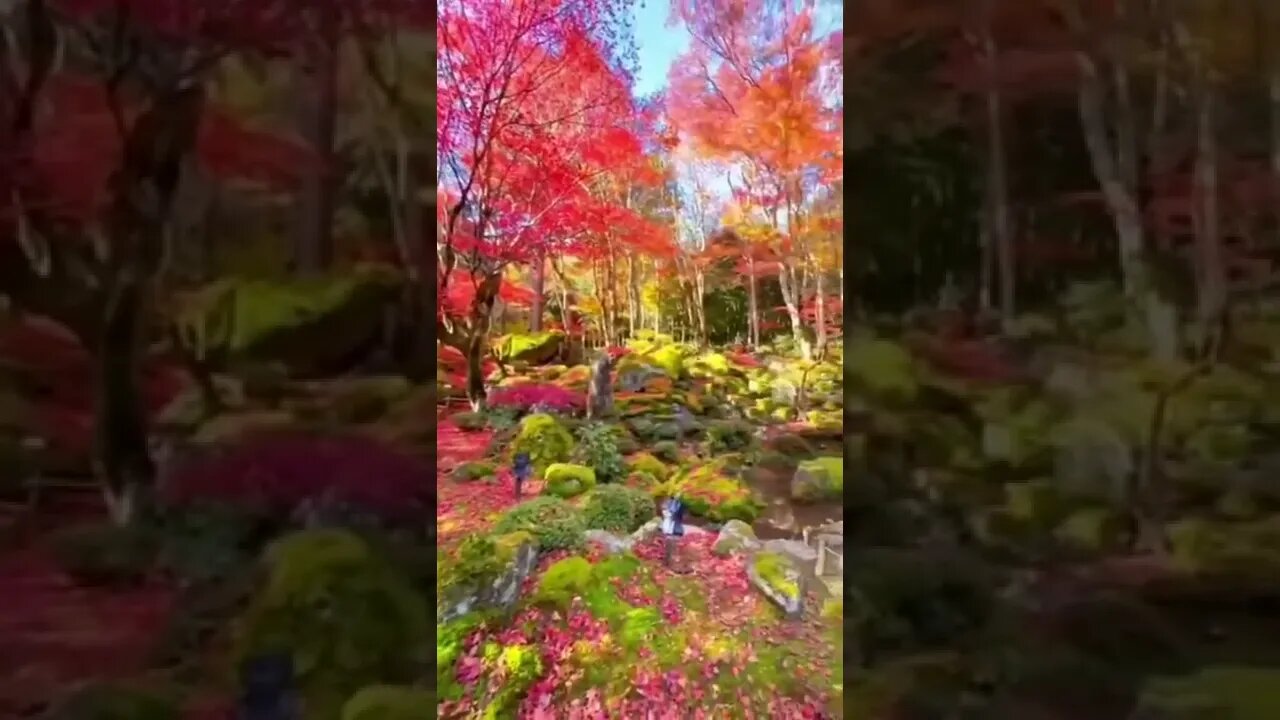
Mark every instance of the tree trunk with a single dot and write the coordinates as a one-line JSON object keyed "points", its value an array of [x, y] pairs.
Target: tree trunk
{"points": [[753, 311], [122, 459], [318, 78], [790, 285], [1212, 294], [539, 287], [820, 317], [996, 172]]}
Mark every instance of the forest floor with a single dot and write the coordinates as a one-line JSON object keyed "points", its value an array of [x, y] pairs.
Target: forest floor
{"points": [[720, 647]]}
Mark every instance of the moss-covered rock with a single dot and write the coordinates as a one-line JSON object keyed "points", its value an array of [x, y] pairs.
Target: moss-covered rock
{"points": [[389, 702], [1218, 692], [882, 368], [347, 618], [314, 326], [1091, 530], [474, 470], [105, 554], [554, 523], [567, 480], [818, 479], [778, 573], [544, 439], [532, 348], [667, 451], [117, 701], [710, 493], [563, 580], [647, 463]]}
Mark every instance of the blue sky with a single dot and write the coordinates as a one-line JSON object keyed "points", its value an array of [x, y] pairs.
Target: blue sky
{"points": [[658, 44]]}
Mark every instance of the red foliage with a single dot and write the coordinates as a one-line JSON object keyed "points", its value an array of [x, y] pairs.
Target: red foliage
{"points": [[274, 474], [529, 395]]}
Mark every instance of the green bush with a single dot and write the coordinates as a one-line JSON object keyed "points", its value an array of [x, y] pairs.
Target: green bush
{"points": [[554, 523], [474, 470], [544, 439], [646, 463], [666, 451], [389, 702], [728, 435], [563, 580], [470, 420], [598, 449], [671, 359], [348, 619], [617, 508], [116, 701], [105, 554], [566, 480]]}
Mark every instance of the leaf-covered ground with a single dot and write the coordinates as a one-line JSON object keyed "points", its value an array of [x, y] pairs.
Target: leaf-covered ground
{"points": [[645, 643]]}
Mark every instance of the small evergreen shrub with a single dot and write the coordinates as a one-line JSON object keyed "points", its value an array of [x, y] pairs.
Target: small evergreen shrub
{"points": [[553, 523], [617, 508], [598, 450], [728, 435]]}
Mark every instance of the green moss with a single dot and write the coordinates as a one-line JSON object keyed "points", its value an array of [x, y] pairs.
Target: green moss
{"points": [[347, 617], [564, 580], [1222, 693], [544, 439], [644, 462], [773, 570], [567, 480], [532, 348], [105, 554], [450, 642], [469, 420], [828, 478], [474, 470], [617, 508], [117, 701], [478, 559], [671, 359], [882, 368], [639, 626], [667, 451], [389, 702], [554, 523], [518, 667], [1091, 529]]}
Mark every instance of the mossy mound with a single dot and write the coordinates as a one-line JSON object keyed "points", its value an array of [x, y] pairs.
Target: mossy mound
{"points": [[314, 326], [389, 702], [474, 470], [477, 560], [709, 492], [617, 508], [567, 480], [554, 523], [545, 440], [347, 618], [819, 479], [533, 348], [646, 463]]}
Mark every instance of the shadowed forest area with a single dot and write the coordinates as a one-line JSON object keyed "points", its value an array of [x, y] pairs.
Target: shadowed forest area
{"points": [[1060, 357]]}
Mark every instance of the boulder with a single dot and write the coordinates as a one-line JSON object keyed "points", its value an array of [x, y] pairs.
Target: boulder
{"points": [[611, 543], [801, 556], [313, 326], [532, 348], [819, 479], [499, 593], [735, 536], [778, 579], [634, 375]]}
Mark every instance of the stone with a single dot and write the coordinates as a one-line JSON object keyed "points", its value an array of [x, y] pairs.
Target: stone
{"points": [[735, 536], [501, 593], [613, 544], [802, 556], [634, 375], [818, 479], [777, 579]]}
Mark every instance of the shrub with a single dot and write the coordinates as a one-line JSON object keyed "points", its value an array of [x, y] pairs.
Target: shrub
{"points": [[474, 470], [566, 480], [728, 435], [667, 451], [476, 560], [563, 580], [544, 439], [646, 463], [554, 523], [550, 397], [389, 702], [275, 474], [469, 420], [617, 508], [116, 701], [345, 616], [206, 542], [105, 554], [598, 449], [671, 359]]}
